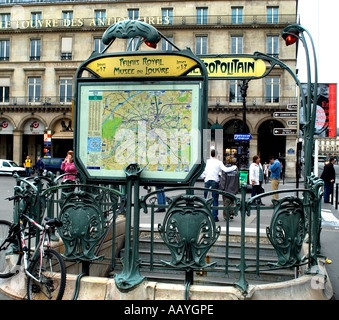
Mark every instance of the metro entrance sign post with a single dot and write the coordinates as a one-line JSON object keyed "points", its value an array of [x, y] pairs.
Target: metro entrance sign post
{"points": [[138, 120], [144, 107]]}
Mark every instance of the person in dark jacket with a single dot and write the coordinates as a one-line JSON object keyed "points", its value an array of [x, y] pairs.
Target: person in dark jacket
{"points": [[328, 176], [40, 167], [229, 182]]}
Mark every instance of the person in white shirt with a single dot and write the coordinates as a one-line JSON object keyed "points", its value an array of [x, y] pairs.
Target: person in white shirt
{"points": [[256, 177], [211, 176]]}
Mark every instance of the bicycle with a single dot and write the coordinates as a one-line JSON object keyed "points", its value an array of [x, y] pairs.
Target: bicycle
{"points": [[45, 269]]}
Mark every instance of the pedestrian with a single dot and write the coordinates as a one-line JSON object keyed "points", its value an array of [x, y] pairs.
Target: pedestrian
{"points": [[328, 176], [68, 166], [275, 168], [229, 182], [39, 166], [266, 172], [256, 177], [211, 177], [28, 166]]}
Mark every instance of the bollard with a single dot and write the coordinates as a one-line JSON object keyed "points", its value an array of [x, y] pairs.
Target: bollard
{"points": [[336, 195]]}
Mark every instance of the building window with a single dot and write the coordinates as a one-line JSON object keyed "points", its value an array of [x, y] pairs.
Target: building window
{"points": [[273, 45], [4, 50], [100, 17], [201, 45], [67, 17], [34, 86], [36, 19], [165, 46], [66, 90], [5, 20], [236, 44], [235, 95], [133, 14], [272, 14], [66, 48], [272, 89], [167, 15], [237, 15], [201, 15], [4, 89], [35, 49], [98, 44]]}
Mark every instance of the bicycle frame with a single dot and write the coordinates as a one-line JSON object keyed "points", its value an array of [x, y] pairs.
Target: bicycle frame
{"points": [[25, 249]]}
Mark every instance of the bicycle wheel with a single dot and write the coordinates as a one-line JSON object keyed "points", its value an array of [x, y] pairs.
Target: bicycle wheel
{"points": [[52, 280], [10, 260]]}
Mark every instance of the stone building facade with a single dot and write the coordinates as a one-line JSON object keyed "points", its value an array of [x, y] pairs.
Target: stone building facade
{"points": [[43, 42]]}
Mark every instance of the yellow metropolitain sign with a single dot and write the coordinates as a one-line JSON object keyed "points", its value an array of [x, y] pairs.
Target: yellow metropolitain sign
{"points": [[141, 66], [175, 65], [234, 67]]}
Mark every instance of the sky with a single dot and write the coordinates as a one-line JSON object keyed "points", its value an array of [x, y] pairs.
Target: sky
{"points": [[320, 18]]}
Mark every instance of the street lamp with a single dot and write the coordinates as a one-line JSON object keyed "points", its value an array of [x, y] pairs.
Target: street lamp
{"points": [[291, 34]]}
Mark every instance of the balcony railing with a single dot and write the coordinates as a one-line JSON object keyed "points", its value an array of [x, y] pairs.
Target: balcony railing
{"points": [[213, 101], [42, 104], [193, 20], [224, 101]]}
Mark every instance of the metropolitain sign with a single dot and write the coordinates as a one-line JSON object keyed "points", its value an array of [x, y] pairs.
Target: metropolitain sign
{"points": [[234, 67]]}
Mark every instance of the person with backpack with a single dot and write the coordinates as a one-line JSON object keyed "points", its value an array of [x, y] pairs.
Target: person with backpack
{"points": [[229, 182]]}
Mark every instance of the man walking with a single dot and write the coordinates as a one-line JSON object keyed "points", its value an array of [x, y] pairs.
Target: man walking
{"points": [[328, 176], [275, 168], [28, 165], [229, 182], [211, 177]]}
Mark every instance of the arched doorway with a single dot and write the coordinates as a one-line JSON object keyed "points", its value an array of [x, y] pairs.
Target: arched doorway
{"points": [[33, 139], [6, 139], [230, 128], [270, 144]]}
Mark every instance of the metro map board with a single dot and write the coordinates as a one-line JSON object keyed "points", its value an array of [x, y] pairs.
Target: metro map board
{"points": [[153, 124]]}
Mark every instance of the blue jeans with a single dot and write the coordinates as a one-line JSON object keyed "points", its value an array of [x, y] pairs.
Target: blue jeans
{"points": [[214, 185], [328, 190], [28, 171]]}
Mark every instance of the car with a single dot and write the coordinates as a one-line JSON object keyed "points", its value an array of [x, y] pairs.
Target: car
{"points": [[9, 167], [53, 164]]}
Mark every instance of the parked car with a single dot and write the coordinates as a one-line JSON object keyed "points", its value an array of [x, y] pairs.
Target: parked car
{"points": [[53, 164], [9, 167]]}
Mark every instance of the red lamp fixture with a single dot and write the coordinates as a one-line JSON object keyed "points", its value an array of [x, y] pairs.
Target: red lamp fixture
{"points": [[290, 38], [150, 44]]}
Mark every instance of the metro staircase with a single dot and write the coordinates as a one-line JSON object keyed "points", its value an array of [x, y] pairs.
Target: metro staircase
{"points": [[224, 272]]}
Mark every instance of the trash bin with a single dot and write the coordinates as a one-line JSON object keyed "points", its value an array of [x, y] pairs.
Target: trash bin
{"points": [[243, 176]]}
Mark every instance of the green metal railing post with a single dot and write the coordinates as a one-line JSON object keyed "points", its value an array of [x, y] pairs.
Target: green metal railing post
{"points": [[242, 283], [130, 275]]}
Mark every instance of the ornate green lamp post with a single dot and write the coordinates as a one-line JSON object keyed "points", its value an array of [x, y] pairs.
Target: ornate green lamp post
{"points": [[292, 34]]}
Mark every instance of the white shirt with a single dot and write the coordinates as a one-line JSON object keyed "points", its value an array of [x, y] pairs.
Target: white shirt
{"points": [[213, 168], [254, 172]]}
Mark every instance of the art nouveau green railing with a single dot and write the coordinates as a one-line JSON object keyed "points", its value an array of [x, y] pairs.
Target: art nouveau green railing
{"points": [[188, 228], [293, 223]]}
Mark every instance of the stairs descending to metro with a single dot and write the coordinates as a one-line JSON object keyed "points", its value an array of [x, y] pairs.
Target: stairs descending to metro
{"points": [[216, 275]]}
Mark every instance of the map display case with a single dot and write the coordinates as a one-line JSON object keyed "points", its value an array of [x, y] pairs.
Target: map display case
{"points": [[156, 125], [148, 108]]}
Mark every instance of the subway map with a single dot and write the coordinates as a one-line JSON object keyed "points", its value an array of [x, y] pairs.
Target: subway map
{"points": [[152, 127]]}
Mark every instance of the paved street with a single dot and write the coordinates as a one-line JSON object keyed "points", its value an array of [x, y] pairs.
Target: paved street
{"points": [[329, 235]]}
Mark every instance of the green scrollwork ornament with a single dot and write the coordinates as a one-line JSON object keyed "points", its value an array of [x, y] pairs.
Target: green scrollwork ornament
{"points": [[189, 231], [287, 230]]}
